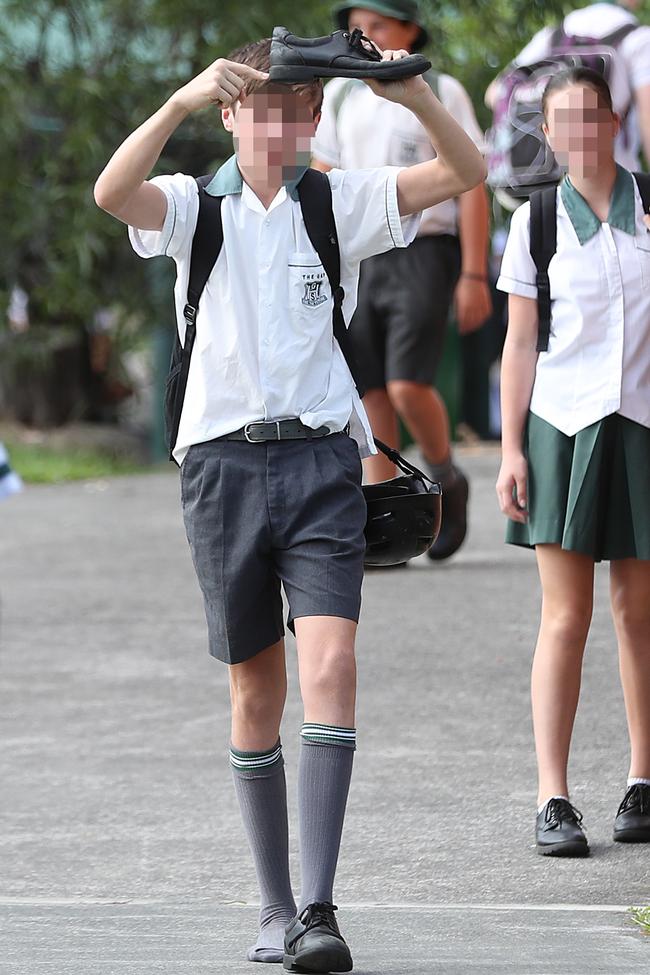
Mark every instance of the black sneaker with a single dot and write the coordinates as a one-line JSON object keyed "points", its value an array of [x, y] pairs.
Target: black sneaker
{"points": [[558, 831], [454, 518], [298, 60], [313, 942], [632, 823]]}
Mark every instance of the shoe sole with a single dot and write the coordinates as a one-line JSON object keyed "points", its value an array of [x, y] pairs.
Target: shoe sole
{"points": [[319, 962], [632, 836], [289, 74], [572, 849]]}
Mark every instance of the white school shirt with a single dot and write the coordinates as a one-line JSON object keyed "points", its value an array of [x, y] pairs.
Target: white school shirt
{"points": [[264, 347], [370, 131], [598, 358], [599, 20]]}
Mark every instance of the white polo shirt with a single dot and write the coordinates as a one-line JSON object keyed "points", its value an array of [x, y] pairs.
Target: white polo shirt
{"points": [[598, 358], [359, 130], [264, 347], [596, 21]]}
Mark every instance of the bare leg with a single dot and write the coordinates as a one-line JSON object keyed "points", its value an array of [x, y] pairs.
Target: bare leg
{"points": [[423, 411], [630, 597], [567, 600], [327, 669], [258, 690], [383, 422]]}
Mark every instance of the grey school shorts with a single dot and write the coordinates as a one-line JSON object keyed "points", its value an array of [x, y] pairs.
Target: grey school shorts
{"points": [[264, 514]]}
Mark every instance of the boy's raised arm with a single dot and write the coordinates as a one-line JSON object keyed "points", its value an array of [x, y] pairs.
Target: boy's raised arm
{"points": [[459, 165], [121, 188]]}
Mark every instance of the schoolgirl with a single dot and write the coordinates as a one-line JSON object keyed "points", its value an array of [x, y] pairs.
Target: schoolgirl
{"points": [[575, 472]]}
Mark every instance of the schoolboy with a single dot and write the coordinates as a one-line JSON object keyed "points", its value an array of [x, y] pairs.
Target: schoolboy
{"points": [[275, 511]]}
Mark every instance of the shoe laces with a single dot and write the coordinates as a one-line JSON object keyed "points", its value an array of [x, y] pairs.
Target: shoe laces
{"points": [[560, 811], [319, 913], [363, 45], [636, 796]]}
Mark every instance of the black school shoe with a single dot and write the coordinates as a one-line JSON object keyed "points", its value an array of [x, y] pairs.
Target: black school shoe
{"points": [[632, 823], [558, 831], [454, 519], [313, 942], [298, 60]]}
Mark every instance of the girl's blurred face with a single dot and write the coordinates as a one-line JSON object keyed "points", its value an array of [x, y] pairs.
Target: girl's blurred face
{"points": [[580, 129]]}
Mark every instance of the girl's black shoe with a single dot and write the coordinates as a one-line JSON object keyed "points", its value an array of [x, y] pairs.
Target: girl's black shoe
{"points": [[632, 823], [313, 942], [559, 832]]}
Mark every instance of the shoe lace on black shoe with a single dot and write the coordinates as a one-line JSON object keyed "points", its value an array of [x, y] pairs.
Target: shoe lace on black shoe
{"points": [[636, 797], [320, 913], [363, 45], [560, 811]]}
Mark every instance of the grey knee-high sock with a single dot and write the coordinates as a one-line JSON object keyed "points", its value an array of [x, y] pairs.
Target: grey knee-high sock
{"points": [[324, 773], [262, 793]]}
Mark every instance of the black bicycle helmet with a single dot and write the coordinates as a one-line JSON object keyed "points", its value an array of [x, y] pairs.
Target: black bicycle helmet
{"points": [[404, 514]]}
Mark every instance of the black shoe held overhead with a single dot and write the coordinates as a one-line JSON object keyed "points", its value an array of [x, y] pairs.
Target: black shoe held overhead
{"points": [[632, 823], [313, 942], [343, 54], [559, 832]]}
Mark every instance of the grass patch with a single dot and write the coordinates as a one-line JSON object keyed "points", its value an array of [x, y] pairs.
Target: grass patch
{"points": [[641, 916], [40, 464]]}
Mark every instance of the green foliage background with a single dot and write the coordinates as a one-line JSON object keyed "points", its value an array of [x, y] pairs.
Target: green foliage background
{"points": [[78, 75]]}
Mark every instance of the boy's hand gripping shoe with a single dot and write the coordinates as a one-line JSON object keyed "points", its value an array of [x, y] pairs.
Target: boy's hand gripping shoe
{"points": [[343, 54]]}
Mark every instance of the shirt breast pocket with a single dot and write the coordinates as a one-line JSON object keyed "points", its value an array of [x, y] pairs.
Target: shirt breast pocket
{"points": [[643, 257], [309, 290]]}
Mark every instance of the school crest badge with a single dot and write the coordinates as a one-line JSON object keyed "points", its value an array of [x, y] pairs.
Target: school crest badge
{"points": [[312, 297]]}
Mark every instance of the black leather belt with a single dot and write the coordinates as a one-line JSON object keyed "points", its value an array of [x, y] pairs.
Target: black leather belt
{"points": [[266, 430]]}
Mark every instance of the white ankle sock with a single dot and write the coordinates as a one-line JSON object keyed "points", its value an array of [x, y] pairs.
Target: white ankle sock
{"points": [[636, 781], [546, 801]]}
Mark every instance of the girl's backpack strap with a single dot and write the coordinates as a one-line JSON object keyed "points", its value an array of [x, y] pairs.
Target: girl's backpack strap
{"points": [[643, 184], [543, 244]]}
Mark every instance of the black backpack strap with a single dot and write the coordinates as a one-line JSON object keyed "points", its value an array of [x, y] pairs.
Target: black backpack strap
{"points": [[543, 244], [206, 245], [643, 184], [315, 195]]}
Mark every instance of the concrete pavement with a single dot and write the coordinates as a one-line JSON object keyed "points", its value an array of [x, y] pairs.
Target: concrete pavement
{"points": [[120, 845]]}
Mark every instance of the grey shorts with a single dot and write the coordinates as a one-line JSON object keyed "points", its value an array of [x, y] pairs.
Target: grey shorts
{"points": [[265, 514]]}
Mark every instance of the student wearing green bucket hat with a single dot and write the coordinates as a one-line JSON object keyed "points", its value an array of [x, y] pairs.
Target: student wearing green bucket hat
{"points": [[404, 10]]}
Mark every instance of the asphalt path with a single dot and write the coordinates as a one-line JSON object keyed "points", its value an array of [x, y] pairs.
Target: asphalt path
{"points": [[120, 844]]}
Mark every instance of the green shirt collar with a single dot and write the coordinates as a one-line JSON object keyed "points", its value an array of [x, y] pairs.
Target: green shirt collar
{"points": [[228, 179], [621, 210]]}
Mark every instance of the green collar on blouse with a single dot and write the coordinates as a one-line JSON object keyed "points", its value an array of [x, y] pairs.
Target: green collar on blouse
{"points": [[621, 210], [228, 180]]}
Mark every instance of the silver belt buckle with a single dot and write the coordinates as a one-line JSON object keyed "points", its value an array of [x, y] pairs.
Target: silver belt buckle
{"points": [[261, 423]]}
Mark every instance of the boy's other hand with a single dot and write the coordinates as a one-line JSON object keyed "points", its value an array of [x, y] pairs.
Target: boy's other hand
{"points": [[403, 92], [221, 84]]}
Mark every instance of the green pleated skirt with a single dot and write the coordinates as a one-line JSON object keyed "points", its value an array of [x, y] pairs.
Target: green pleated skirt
{"points": [[589, 493]]}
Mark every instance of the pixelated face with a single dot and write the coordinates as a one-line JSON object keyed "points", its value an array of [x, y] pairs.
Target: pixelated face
{"points": [[580, 129], [388, 33], [273, 129]]}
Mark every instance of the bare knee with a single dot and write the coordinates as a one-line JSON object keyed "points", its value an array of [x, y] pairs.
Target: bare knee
{"points": [[632, 620], [406, 396], [330, 672], [568, 624]]}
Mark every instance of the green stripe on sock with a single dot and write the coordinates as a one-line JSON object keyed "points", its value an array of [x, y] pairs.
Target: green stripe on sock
{"points": [[323, 734]]}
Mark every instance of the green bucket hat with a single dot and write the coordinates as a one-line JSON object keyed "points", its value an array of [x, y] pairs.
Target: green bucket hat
{"points": [[406, 10]]}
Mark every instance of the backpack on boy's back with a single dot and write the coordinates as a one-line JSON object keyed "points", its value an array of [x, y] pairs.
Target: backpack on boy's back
{"points": [[519, 157]]}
